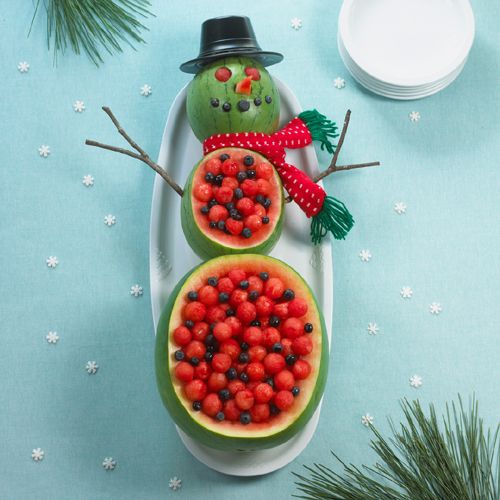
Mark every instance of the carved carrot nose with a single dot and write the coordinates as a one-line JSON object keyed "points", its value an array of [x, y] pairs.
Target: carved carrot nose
{"points": [[244, 86]]}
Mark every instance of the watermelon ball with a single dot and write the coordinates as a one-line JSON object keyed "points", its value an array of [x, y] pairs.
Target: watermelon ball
{"points": [[221, 362], [195, 390], [283, 400], [260, 412], [284, 380], [184, 371], [211, 405], [244, 399]]}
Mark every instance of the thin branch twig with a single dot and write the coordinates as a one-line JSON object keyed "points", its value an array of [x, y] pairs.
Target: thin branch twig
{"points": [[333, 167], [142, 156]]}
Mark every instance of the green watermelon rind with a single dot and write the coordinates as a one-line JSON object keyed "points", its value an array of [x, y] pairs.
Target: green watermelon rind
{"points": [[205, 247], [183, 418]]}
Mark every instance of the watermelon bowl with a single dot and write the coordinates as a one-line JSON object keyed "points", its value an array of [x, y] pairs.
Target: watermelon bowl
{"points": [[171, 258]]}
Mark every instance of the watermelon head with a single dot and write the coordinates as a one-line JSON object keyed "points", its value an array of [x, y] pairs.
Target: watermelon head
{"points": [[234, 94]]}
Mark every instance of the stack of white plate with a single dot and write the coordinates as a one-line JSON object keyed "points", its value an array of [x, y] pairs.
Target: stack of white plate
{"points": [[405, 49]]}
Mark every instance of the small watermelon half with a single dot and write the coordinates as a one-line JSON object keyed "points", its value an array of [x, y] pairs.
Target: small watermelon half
{"points": [[241, 353], [232, 203]]}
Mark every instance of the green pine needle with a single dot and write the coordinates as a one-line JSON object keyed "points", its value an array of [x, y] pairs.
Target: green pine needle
{"points": [[93, 25], [420, 461]]}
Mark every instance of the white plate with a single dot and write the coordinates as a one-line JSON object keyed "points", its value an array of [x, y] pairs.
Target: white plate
{"points": [[170, 258], [407, 42]]}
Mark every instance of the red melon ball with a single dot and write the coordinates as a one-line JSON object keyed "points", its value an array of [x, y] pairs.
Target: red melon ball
{"points": [[211, 405], [283, 400], [195, 390]]}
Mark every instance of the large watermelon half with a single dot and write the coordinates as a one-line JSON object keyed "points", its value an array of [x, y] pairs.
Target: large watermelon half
{"points": [[232, 203], [241, 353]]}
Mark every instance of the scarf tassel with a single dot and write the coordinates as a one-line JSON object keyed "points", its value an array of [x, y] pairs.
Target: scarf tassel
{"points": [[321, 128], [334, 217]]}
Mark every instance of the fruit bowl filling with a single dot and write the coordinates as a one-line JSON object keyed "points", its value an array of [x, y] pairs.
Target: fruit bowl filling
{"points": [[235, 193], [242, 349]]}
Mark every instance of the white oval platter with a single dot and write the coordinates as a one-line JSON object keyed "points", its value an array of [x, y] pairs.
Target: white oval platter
{"points": [[170, 257]]}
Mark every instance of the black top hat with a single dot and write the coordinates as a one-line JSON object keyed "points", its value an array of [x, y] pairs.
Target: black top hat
{"points": [[228, 36]]}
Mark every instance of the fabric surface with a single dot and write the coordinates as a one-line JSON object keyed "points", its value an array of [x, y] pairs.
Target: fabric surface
{"points": [[444, 168]]}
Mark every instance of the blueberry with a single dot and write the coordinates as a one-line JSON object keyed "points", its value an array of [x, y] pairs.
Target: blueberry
{"points": [[212, 203], [244, 284], [244, 377], [213, 224], [238, 193], [223, 297], [308, 328], [219, 178], [226, 106], [230, 205], [179, 355], [224, 394], [257, 101], [269, 99], [251, 174], [210, 339], [274, 321], [255, 322], [253, 295], [269, 381], [237, 216], [274, 409], [211, 327], [220, 416], [267, 202], [244, 346], [264, 276], [192, 295], [248, 160], [288, 294], [265, 219], [188, 323], [209, 177], [233, 213], [243, 105], [243, 357], [214, 102], [231, 374], [260, 199], [277, 347], [295, 390], [245, 418], [230, 312], [209, 356], [241, 176], [194, 361], [212, 281], [221, 225], [196, 405], [224, 157], [246, 233], [290, 359]]}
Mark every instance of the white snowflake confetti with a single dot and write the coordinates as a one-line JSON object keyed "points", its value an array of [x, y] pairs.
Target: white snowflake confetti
{"points": [[52, 337], [44, 151], [136, 290], [37, 454], [163, 266], [317, 260], [367, 420], [296, 23], [414, 116], [91, 367], [400, 207], [435, 308], [416, 381], [339, 83], [110, 220], [146, 90], [52, 261], [108, 463], [365, 255], [406, 292], [23, 67], [79, 106], [373, 328], [175, 483], [88, 180]]}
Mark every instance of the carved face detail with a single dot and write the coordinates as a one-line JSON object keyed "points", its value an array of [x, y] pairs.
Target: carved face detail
{"points": [[234, 94]]}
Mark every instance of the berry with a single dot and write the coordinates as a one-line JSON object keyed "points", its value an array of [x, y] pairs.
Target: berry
{"points": [[192, 295], [295, 391], [196, 405], [211, 405], [238, 193], [195, 390], [244, 377], [265, 220], [244, 346], [223, 297], [283, 400], [257, 101], [288, 294], [189, 324], [246, 233], [213, 224], [245, 418], [179, 355], [264, 276], [244, 399], [209, 177], [231, 374], [277, 347], [255, 322], [218, 179], [241, 176], [220, 416], [253, 296], [274, 409], [274, 321], [184, 371], [244, 284], [248, 160], [194, 361], [251, 174], [223, 157], [243, 357], [290, 359], [308, 327], [267, 202], [224, 394], [284, 380], [208, 356]]}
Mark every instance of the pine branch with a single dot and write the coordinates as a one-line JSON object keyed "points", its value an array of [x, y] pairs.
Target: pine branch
{"points": [[141, 155], [421, 461], [93, 25]]}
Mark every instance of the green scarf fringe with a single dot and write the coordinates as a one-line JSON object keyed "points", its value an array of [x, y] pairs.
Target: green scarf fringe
{"points": [[321, 128], [334, 217]]}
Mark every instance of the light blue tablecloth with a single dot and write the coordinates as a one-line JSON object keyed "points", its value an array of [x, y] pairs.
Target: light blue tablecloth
{"points": [[445, 168]]}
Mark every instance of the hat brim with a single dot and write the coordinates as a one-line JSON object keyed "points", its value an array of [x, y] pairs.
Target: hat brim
{"points": [[265, 58]]}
